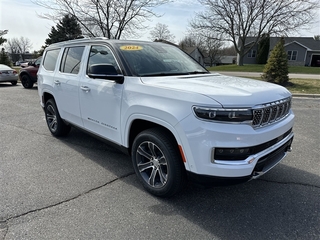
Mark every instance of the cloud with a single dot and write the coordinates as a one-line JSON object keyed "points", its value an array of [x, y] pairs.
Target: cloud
{"points": [[20, 18]]}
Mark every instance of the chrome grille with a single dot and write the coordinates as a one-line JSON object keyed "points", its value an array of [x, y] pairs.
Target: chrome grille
{"points": [[271, 112]]}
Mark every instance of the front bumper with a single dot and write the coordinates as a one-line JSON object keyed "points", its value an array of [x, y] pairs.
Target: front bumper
{"points": [[266, 161], [269, 160], [201, 140]]}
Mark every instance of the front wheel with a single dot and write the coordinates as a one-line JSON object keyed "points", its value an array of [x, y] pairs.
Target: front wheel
{"points": [[55, 123], [157, 162]]}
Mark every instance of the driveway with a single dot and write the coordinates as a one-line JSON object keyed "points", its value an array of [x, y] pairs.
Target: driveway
{"points": [[80, 188]]}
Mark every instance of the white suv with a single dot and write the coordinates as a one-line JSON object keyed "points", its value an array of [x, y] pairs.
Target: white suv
{"points": [[175, 119]]}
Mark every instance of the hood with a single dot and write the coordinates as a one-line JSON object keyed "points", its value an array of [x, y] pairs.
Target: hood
{"points": [[228, 91]]}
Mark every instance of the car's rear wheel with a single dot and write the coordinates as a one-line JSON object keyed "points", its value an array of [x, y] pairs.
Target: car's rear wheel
{"points": [[26, 81], [55, 123], [157, 162], [14, 83]]}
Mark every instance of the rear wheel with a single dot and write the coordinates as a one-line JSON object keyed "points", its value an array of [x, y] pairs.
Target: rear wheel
{"points": [[55, 123], [157, 162], [26, 81]]}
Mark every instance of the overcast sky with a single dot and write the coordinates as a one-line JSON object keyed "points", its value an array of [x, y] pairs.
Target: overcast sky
{"points": [[21, 18]]}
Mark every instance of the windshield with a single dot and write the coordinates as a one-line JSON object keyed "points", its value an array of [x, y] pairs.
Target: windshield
{"points": [[158, 59]]}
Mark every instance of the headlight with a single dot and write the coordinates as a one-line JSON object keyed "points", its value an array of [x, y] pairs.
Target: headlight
{"points": [[223, 115]]}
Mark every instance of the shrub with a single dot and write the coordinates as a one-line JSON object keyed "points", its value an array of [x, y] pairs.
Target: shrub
{"points": [[276, 70], [4, 59]]}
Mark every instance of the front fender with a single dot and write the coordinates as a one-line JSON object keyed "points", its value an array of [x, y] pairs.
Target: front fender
{"points": [[157, 121], [158, 117]]}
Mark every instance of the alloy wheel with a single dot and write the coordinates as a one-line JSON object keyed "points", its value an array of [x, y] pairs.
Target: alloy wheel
{"points": [[152, 164]]}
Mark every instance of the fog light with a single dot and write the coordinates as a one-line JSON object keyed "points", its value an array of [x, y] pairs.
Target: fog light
{"points": [[231, 153]]}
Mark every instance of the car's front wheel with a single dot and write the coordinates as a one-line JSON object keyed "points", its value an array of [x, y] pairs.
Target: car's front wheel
{"points": [[157, 162], [26, 81], [55, 123]]}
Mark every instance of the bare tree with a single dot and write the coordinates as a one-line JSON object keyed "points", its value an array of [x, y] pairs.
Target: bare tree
{"points": [[207, 42], [161, 32], [3, 40], [107, 18], [228, 51], [239, 19], [210, 43], [3, 32], [191, 40], [17, 47]]}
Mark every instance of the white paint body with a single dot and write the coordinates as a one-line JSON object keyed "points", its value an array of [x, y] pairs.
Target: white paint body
{"points": [[107, 109]]}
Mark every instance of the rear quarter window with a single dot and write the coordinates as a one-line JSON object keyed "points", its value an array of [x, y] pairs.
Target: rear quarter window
{"points": [[50, 59]]}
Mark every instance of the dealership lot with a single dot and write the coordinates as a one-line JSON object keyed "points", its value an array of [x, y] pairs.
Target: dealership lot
{"points": [[80, 188]]}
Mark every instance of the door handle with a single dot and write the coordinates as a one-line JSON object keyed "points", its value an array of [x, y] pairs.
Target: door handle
{"points": [[56, 82], [85, 88]]}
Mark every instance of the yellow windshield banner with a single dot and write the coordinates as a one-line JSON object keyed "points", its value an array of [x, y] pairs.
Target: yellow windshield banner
{"points": [[131, 48]]}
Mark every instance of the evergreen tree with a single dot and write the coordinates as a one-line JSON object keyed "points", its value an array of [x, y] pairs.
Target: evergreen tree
{"points": [[3, 40], [263, 49], [4, 59], [67, 29], [276, 70]]}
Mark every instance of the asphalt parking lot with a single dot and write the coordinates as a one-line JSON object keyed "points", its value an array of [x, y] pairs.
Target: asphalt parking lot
{"points": [[80, 188]]}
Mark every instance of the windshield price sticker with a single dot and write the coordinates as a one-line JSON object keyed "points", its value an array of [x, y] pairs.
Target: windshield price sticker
{"points": [[131, 48]]}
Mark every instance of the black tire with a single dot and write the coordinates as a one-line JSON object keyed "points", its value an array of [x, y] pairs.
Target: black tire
{"points": [[55, 123], [158, 163], [14, 83], [26, 81]]}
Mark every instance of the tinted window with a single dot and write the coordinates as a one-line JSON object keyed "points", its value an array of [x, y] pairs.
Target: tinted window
{"points": [[50, 59], [152, 59], [71, 60], [101, 55]]}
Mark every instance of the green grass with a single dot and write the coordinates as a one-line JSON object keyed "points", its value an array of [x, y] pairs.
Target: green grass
{"points": [[259, 68], [306, 70], [298, 85], [310, 86]]}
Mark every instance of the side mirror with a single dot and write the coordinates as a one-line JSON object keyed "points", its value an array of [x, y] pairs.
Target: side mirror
{"points": [[105, 71]]}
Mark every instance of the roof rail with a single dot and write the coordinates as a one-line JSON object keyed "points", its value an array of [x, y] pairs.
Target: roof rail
{"points": [[100, 38], [78, 40]]}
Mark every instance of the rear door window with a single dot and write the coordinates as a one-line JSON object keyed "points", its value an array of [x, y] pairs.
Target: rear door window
{"points": [[71, 60], [50, 59]]}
